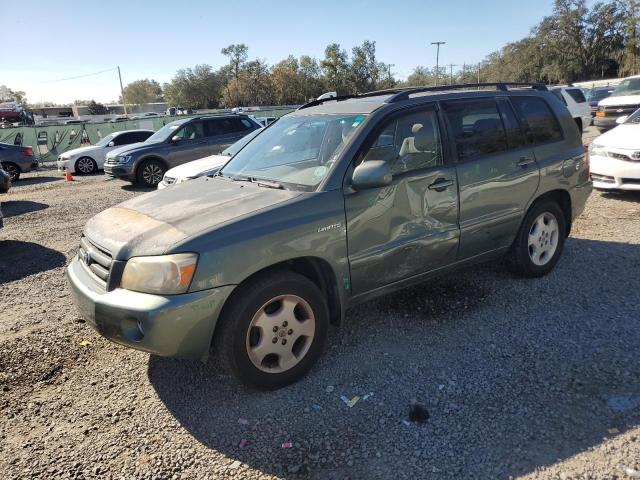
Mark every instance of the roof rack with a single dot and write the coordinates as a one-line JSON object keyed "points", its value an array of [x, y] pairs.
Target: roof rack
{"points": [[399, 94], [502, 86]]}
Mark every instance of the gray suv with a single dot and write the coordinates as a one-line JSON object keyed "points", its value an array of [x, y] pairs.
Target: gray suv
{"points": [[16, 159], [174, 144], [336, 203]]}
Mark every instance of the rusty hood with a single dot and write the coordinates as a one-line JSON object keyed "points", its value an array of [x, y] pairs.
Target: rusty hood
{"points": [[152, 223]]}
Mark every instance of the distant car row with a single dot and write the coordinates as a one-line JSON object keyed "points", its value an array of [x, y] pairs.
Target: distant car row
{"points": [[143, 157]]}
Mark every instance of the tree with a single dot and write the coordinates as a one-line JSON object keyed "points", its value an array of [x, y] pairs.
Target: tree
{"points": [[336, 68], [312, 82], [95, 108], [287, 82], [199, 87], [364, 68], [238, 54], [142, 92], [631, 13], [8, 95]]}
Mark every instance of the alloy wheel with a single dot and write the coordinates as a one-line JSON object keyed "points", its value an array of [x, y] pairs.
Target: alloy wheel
{"points": [[543, 238], [152, 174], [280, 334], [85, 165]]}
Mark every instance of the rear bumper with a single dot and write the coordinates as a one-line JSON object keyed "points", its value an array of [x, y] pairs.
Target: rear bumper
{"points": [[171, 325], [579, 195]]}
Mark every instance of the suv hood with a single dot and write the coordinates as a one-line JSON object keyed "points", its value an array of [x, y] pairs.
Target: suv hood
{"points": [[152, 223], [621, 100], [133, 148]]}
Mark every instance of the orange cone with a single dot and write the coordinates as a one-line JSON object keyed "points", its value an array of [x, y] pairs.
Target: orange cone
{"points": [[68, 176]]}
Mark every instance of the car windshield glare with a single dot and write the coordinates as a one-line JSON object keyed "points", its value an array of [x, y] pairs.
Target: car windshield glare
{"points": [[631, 86], [105, 141], [236, 147], [298, 151], [164, 133], [634, 118]]}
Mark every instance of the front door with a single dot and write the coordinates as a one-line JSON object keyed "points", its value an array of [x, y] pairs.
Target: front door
{"points": [[497, 173], [411, 226], [192, 144]]}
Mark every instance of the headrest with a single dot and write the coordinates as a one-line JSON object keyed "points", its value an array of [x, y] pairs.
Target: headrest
{"points": [[416, 127]]}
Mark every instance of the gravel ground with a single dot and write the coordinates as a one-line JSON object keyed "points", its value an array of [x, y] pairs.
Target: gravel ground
{"points": [[521, 378]]}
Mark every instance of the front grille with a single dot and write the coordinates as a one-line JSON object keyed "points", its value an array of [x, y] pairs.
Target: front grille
{"points": [[169, 180], [596, 177], [618, 110], [632, 181], [96, 260]]}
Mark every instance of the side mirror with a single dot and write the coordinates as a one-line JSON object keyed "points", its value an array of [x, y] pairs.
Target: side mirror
{"points": [[111, 144], [371, 174], [622, 119], [175, 139]]}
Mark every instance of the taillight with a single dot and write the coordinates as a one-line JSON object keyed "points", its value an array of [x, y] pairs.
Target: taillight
{"points": [[587, 162], [27, 152]]}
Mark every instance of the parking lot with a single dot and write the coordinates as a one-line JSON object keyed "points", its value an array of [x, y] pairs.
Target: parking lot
{"points": [[521, 378]]}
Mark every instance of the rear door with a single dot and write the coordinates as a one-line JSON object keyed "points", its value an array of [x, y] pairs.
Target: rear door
{"points": [[225, 131], [411, 226], [497, 172], [191, 144]]}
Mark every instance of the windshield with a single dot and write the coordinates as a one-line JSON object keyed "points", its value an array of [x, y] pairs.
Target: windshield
{"points": [[630, 86], [236, 147], [298, 151], [599, 94], [634, 118], [105, 141], [165, 132]]}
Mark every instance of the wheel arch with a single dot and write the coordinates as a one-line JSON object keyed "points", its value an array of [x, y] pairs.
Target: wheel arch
{"points": [[316, 269], [75, 163], [146, 159], [563, 199]]}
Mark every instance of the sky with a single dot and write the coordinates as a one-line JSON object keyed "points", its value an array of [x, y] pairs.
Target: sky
{"points": [[55, 40]]}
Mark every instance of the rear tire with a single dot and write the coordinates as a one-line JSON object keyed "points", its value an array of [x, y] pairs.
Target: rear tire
{"points": [[273, 329], [540, 240], [13, 170], [150, 173]]}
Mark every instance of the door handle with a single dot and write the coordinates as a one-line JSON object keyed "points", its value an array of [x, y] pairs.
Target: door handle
{"points": [[524, 162], [441, 184]]}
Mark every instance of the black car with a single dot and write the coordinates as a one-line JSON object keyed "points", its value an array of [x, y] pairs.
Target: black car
{"points": [[597, 94]]}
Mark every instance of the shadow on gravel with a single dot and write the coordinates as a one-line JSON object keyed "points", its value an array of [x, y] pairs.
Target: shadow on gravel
{"points": [[23, 182], [624, 196], [13, 208], [129, 187], [516, 374], [21, 259]]}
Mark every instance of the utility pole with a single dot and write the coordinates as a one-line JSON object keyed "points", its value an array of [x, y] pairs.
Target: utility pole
{"points": [[124, 102], [451, 65], [389, 65], [478, 74], [437, 44]]}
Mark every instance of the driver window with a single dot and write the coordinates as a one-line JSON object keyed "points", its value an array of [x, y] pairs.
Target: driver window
{"points": [[409, 143], [192, 131]]}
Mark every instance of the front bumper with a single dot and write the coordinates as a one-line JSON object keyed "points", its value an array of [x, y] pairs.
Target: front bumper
{"points": [[605, 122], [613, 174], [125, 172], [63, 164], [171, 325]]}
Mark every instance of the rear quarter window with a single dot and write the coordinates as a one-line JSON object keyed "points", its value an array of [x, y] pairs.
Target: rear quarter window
{"points": [[541, 124], [577, 95]]}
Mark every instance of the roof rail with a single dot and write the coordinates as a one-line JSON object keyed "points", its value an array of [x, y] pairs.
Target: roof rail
{"points": [[502, 86], [319, 101]]}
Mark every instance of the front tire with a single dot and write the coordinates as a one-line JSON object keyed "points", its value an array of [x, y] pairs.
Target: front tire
{"points": [[273, 330], [150, 173], [540, 240], [85, 166]]}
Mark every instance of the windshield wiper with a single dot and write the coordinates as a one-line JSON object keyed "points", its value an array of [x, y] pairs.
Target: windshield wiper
{"points": [[268, 183]]}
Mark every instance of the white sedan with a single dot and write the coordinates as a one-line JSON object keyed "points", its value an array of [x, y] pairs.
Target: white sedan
{"points": [[615, 156], [204, 166], [87, 160]]}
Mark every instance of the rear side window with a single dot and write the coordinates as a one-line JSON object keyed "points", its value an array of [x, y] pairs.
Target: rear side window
{"points": [[576, 94], [477, 128], [247, 124], [515, 135], [124, 139], [141, 136], [540, 122]]}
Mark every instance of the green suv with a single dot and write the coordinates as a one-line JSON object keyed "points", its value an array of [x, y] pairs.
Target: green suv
{"points": [[343, 200]]}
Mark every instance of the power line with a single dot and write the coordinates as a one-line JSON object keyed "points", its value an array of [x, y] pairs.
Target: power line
{"points": [[80, 76]]}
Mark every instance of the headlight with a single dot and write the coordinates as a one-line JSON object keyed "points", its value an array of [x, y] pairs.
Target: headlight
{"points": [[122, 159], [164, 274], [597, 150], [636, 155]]}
